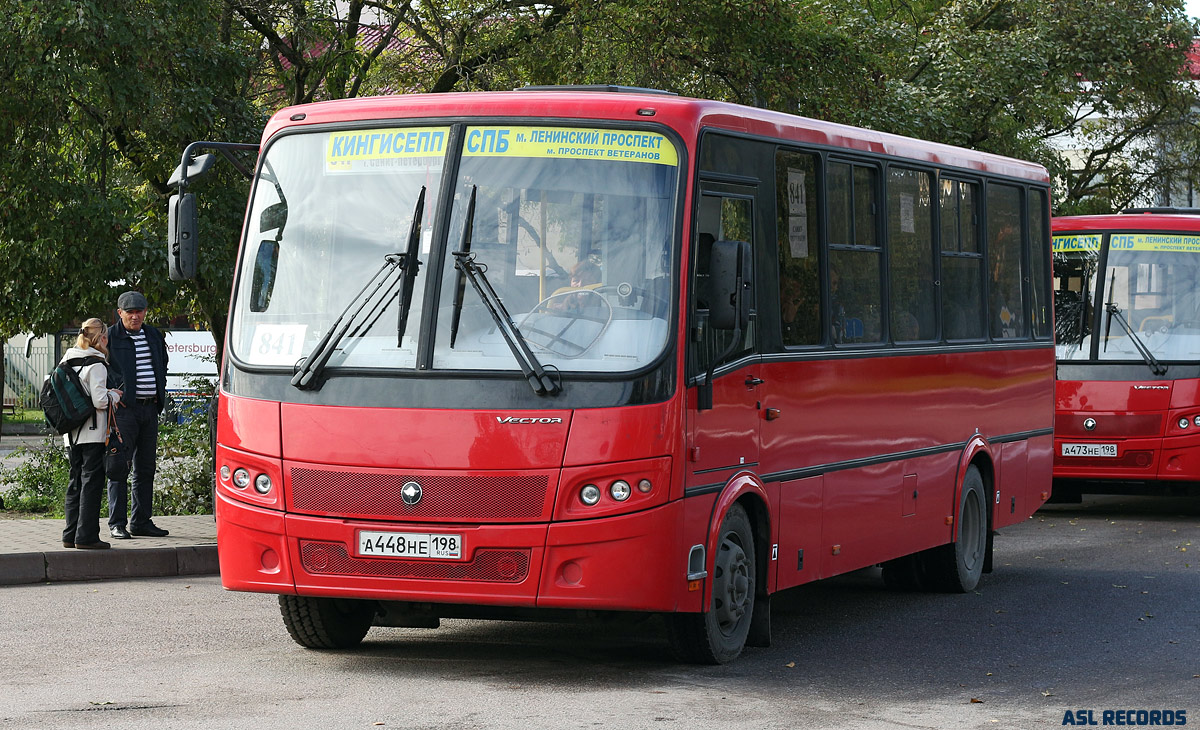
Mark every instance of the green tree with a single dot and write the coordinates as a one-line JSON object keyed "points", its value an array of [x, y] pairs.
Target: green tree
{"points": [[1034, 78], [97, 101]]}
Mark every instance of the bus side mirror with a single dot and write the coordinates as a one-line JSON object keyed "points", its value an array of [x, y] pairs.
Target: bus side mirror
{"points": [[182, 228], [731, 285]]}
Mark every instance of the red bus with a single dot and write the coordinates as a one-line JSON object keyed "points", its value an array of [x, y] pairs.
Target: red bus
{"points": [[1127, 303], [554, 352]]}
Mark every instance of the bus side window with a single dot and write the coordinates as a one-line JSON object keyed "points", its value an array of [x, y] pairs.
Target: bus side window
{"points": [[799, 249], [910, 254], [961, 260], [855, 293], [1006, 307], [1039, 240], [720, 218]]}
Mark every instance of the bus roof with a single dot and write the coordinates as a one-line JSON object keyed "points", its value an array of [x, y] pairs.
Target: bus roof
{"points": [[682, 113], [1156, 221]]}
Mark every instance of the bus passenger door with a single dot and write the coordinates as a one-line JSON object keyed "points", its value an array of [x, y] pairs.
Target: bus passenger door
{"points": [[724, 438]]}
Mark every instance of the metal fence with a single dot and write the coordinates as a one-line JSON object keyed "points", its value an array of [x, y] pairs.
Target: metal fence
{"points": [[23, 375]]}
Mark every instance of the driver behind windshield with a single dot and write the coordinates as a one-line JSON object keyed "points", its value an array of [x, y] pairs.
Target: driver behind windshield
{"points": [[585, 275]]}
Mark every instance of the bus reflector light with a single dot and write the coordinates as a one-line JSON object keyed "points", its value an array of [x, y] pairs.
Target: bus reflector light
{"points": [[269, 561], [620, 490], [644, 486], [590, 494], [693, 585]]}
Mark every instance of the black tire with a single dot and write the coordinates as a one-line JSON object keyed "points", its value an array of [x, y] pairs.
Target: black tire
{"points": [[718, 635], [956, 568], [326, 623]]}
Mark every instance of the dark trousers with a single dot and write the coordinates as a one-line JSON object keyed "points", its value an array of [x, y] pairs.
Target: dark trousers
{"points": [[138, 424], [84, 490]]}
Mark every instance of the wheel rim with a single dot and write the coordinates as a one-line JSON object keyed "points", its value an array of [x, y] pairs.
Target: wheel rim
{"points": [[971, 539], [731, 590]]}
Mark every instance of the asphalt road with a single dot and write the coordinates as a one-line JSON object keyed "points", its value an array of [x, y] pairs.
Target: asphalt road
{"points": [[1091, 607]]}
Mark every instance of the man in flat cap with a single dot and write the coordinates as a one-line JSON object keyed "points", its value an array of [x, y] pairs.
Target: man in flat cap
{"points": [[138, 354]]}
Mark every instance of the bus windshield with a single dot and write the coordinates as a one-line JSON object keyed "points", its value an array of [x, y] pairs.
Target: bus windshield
{"points": [[1147, 295], [572, 228]]}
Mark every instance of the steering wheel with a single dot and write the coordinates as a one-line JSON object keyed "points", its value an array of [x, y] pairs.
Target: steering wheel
{"points": [[568, 323], [652, 303]]}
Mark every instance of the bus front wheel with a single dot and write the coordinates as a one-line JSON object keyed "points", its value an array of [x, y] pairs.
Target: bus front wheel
{"points": [[957, 567], [718, 635], [326, 623]]}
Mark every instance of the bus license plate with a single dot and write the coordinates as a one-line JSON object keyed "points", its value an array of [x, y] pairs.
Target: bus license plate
{"points": [[1089, 450], [409, 545]]}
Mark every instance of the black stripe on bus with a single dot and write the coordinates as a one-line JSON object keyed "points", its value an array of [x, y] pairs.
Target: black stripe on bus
{"points": [[820, 469]]}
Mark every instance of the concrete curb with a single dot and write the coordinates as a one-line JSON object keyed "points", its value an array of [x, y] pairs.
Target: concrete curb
{"points": [[72, 565]]}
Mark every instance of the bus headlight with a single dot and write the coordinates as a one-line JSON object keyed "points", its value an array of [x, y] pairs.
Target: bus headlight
{"points": [[1184, 423], [262, 484], [620, 490], [590, 494], [241, 478]]}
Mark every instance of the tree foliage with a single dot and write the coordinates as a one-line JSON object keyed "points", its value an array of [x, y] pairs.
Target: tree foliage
{"points": [[98, 99]]}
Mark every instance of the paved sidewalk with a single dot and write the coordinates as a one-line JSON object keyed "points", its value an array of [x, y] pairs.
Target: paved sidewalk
{"points": [[31, 551]]}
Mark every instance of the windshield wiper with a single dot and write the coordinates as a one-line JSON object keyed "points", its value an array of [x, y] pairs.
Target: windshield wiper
{"points": [[410, 267], [1114, 312], [464, 260], [308, 374]]}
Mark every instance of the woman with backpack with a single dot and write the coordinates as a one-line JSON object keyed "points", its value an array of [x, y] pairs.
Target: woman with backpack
{"points": [[86, 443]]}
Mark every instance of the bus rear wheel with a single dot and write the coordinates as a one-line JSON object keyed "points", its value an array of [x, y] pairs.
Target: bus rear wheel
{"points": [[326, 623], [957, 567], [718, 635]]}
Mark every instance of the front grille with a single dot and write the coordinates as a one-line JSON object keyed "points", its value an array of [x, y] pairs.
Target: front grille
{"points": [[497, 565], [376, 495], [1130, 425]]}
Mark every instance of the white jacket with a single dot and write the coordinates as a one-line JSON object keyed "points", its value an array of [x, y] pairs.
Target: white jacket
{"points": [[95, 378]]}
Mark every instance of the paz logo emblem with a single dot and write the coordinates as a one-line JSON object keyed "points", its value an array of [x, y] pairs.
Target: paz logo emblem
{"points": [[410, 493], [1089, 424]]}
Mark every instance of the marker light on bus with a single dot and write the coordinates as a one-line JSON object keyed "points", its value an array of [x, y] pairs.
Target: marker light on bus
{"points": [[225, 472], [241, 478], [644, 486]]}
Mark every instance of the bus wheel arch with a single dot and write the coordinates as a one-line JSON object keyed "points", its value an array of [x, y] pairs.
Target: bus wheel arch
{"points": [[737, 609]]}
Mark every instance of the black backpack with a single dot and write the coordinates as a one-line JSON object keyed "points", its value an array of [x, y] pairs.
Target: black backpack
{"points": [[65, 400]]}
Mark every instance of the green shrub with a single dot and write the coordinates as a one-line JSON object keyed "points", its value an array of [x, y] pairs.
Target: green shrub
{"points": [[184, 482], [38, 484]]}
